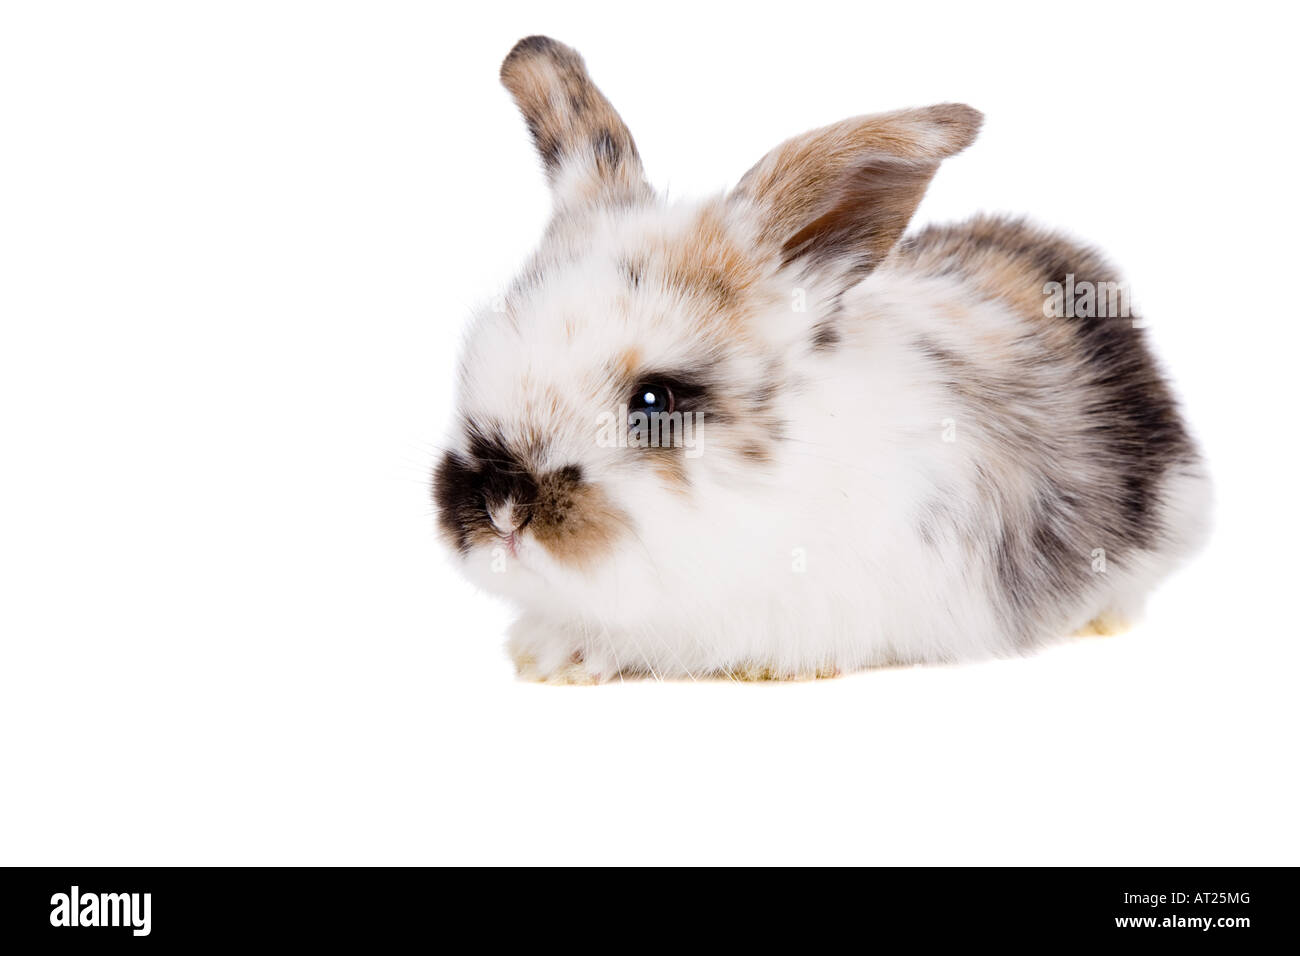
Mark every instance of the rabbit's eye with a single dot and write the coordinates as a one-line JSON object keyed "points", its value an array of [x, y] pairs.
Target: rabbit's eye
{"points": [[650, 399]]}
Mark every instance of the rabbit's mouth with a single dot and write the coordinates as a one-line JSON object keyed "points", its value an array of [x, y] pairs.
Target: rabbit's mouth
{"points": [[511, 542], [508, 521]]}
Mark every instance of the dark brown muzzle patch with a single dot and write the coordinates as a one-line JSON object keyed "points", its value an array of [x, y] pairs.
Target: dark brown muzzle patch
{"points": [[570, 517]]}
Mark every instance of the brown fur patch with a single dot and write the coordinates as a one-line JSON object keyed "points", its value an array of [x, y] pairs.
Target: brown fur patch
{"points": [[706, 262], [575, 521], [670, 465], [629, 363], [1006, 259]]}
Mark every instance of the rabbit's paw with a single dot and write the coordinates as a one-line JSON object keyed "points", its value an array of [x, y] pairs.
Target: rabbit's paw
{"points": [[1106, 624], [546, 653], [573, 673], [767, 672]]}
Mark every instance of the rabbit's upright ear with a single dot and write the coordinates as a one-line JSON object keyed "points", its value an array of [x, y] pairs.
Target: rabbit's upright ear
{"points": [[835, 200], [587, 151]]}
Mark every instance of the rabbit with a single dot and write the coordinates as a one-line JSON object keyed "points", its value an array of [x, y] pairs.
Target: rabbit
{"points": [[767, 436]]}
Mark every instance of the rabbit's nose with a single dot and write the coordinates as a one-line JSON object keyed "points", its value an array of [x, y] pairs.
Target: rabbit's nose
{"points": [[507, 518]]}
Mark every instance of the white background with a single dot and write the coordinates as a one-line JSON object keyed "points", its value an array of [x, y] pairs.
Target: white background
{"points": [[238, 244]]}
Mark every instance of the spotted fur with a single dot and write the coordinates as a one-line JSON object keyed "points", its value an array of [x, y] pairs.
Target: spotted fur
{"points": [[899, 456]]}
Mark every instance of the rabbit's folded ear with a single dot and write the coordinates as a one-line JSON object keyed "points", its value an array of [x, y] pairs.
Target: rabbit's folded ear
{"points": [[588, 153], [835, 200]]}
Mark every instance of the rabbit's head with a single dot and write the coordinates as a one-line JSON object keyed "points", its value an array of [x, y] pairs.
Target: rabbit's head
{"points": [[644, 359]]}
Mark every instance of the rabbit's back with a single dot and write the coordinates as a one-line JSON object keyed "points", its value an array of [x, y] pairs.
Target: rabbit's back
{"points": [[1078, 466]]}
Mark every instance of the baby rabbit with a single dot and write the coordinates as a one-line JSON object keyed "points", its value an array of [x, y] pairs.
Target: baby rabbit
{"points": [[767, 436]]}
